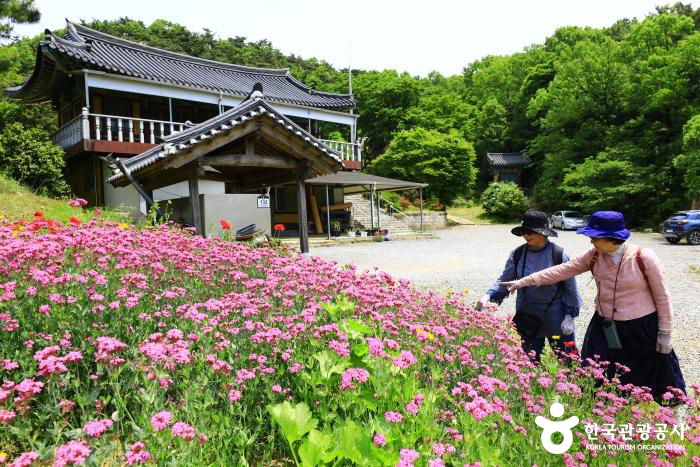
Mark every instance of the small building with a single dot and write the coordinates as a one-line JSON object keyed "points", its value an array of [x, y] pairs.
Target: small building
{"points": [[507, 166]]}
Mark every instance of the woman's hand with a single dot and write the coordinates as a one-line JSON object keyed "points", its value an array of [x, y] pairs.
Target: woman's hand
{"points": [[512, 286], [663, 341]]}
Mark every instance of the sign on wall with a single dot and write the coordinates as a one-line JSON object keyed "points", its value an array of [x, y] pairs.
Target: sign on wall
{"points": [[263, 201]]}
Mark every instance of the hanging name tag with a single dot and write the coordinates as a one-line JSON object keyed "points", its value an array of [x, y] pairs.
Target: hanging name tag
{"points": [[263, 201]]}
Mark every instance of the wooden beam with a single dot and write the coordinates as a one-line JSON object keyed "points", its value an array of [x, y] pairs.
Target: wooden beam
{"points": [[211, 144], [314, 210], [250, 160], [289, 143], [301, 209], [257, 181], [194, 203]]}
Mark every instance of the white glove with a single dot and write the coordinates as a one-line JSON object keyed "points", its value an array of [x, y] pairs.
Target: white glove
{"points": [[567, 325], [663, 341], [482, 302]]}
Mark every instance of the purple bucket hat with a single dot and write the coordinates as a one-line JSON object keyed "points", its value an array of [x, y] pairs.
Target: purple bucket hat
{"points": [[606, 224]]}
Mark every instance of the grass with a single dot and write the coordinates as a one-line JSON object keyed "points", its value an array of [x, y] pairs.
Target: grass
{"points": [[19, 202], [474, 213], [695, 269]]}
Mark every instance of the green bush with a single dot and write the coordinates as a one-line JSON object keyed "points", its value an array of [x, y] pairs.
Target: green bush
{"points": [[504, 201], [27, 156]]}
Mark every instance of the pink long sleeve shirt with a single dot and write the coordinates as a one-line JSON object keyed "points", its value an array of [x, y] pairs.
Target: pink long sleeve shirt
{"points": [[633, 299]]}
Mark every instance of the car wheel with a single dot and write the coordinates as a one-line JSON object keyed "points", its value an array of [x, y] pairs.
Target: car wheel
{"points": [[694, 237], [673, 240]]}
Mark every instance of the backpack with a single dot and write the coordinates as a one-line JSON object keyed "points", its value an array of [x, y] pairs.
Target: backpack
{"points": [[557, 256], [638, 257]]}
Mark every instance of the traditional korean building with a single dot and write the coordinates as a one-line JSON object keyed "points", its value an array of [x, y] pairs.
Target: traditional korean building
{"points": [[507, 166], [186, 128]]}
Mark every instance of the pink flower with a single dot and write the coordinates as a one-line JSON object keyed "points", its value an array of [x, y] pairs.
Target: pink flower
{"points": [[412, 408], [183, 430], [25, 459], [161, 420], [77, 203], [234, 395], [66, 406], [351, 375], [393, 417], [6, 416], [73, 453], [137, 454], [379, 440], [97, 429]]}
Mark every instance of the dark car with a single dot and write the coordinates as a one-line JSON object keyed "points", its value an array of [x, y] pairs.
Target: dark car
{"points": [[682, 224]]}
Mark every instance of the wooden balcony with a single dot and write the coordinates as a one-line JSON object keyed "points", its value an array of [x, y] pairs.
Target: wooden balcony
{"points": [[91, 132]]}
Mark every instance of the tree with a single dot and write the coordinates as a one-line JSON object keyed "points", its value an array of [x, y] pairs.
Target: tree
{"points": [[504, 201], [384, 99], [690, 161], [443, 160], [16, 11], [27, 156], [611, 181]]}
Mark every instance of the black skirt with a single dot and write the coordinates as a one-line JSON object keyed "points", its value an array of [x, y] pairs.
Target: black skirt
{"points": [[647, 366]]}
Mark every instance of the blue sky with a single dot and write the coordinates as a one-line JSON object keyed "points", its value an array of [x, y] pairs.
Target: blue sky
{"points": [[408, 35]]}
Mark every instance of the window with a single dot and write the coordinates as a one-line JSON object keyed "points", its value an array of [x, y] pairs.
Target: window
{"points": [[285, 198]]}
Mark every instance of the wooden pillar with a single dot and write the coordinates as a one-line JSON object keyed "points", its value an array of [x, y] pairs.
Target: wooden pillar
{"points": [[328, 213], [420, 194], [314, 210], [696, 204], [194, 203], [99, 182], [301, 209]]}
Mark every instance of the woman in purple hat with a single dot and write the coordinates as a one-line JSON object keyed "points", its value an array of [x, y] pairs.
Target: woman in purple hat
{"points": [[633, 320], [540, 312]]}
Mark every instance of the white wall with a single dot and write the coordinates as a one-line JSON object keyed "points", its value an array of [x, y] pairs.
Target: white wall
{"points": [[182, 189], [126, 198]]}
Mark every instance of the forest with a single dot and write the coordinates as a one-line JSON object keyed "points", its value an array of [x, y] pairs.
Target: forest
{"points": [[610, 117]]}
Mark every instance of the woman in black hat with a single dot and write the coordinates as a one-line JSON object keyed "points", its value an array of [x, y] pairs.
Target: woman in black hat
{"points": [[541, 313]]}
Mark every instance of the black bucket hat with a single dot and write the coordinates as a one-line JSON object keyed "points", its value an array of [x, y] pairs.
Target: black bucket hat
{"points": [[535, 221]]}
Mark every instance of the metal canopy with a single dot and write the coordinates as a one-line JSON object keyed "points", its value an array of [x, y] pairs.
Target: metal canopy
{"points": [[357, 182]]}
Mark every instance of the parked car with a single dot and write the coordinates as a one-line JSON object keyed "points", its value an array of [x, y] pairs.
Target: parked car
{"points": [[682, 224], [568, 220]]}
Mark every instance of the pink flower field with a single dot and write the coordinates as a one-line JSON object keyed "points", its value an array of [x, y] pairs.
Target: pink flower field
{"points": [[152, 346]]}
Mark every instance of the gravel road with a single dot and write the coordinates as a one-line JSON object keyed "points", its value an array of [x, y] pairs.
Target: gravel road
{"points": [[472, 257]]}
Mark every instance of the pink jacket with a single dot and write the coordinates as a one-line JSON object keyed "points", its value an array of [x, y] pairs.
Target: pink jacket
{"points": [[634, 298]]}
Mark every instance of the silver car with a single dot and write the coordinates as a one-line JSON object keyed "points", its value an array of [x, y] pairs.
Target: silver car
{"points": [[568, 220]]}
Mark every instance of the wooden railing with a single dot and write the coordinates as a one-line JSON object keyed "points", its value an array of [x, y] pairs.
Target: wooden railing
{"points": [[346, 151], [69, 134], [113, 128], [133, 130], [142, 130]]}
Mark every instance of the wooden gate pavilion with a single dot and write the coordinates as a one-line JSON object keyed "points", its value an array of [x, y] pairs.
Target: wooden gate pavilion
{"points": [[250, 147]]}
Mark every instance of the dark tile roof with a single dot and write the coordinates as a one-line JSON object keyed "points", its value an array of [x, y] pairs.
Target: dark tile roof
{"points": [[180, 141], [507, 160], [86, 48]]}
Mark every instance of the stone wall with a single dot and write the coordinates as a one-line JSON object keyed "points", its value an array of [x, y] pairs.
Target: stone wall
{"points": [[431, 219]]}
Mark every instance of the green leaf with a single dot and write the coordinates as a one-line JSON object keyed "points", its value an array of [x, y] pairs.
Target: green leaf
{"points": [[317, 449], [327, 365], [359, 327], [294, 421], [353, 443]]}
